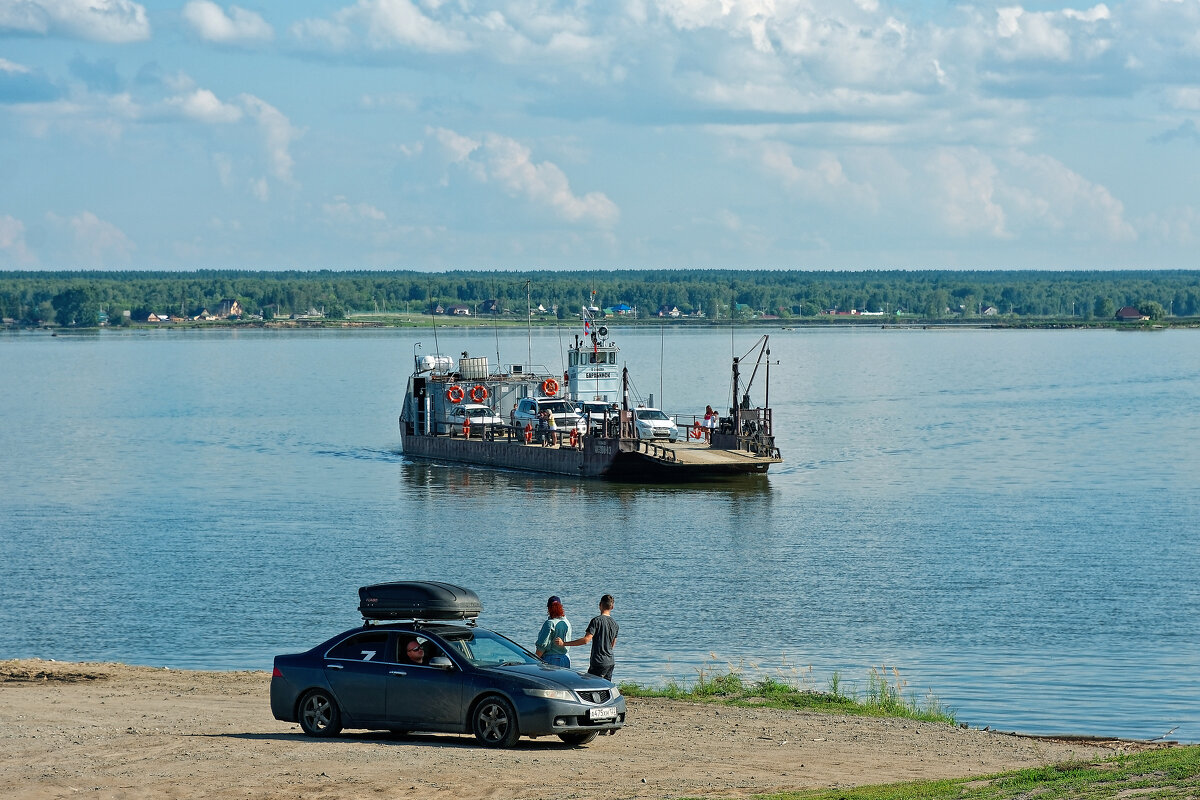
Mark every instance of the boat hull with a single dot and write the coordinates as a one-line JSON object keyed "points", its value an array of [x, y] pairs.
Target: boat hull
{"points": [[592, 461], [610, 459]]}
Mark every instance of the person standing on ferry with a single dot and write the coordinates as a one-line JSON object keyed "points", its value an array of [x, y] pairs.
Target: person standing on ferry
{"points": [[556, 626]]}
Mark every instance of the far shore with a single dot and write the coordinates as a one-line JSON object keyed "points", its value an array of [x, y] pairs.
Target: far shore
{"points": [[424, 321]]}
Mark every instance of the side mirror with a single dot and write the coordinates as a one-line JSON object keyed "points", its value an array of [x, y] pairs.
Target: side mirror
{"points": [[441, 662]]}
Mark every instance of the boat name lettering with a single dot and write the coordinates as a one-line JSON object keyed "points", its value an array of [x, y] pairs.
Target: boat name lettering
{"points": [[599, 375], [603, 449]]}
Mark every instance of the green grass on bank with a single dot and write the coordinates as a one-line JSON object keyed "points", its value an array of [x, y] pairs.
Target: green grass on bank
{"points": [[885, 694], [1172, 772]]}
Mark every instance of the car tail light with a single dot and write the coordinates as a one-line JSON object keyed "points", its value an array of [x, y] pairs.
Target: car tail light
{"points": [[275, 673]]}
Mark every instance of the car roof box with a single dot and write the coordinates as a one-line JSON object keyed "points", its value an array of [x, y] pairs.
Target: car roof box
{"points": [[423, 600]]}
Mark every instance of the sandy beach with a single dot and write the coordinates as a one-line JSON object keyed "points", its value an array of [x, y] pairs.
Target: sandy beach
{"points": [[116, 731]]}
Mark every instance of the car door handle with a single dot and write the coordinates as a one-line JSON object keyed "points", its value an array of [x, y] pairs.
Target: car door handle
{"points": [[397, 672], [334, 666]]}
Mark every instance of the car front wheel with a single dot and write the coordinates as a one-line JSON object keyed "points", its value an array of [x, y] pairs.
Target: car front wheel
{"points": [[319, 715], [578, 739], [495, 723]]}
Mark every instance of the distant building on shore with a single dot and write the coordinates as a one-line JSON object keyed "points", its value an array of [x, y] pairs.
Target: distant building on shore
{"points": [[1130, 314]]}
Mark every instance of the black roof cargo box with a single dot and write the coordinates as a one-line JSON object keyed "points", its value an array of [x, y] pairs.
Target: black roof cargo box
{"points": [[429, 600]]}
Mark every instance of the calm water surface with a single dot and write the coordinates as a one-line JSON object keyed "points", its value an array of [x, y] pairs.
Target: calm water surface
{"points": [[1008, 518]]}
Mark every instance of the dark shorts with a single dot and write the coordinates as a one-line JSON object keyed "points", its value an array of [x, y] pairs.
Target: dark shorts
{"points": [[601, 670]]}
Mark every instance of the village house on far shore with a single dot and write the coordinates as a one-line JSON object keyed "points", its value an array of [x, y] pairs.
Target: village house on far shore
{"points": [[1131, 314]]}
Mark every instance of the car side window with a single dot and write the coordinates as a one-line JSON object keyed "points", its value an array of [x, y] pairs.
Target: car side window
{"points": [[362, 647], [417, 650]]}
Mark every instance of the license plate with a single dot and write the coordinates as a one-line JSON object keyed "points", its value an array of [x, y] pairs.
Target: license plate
{"points": [[595, 714]]}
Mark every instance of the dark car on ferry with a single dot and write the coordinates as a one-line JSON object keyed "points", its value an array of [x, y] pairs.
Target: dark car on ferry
{"points": [[437, 672]]}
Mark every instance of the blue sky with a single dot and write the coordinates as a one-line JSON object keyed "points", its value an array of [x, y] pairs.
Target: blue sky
{"points": [[517, 134]]}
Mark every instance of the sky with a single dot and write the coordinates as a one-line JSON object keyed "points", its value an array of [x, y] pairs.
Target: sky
{"points": [[603, 134]]}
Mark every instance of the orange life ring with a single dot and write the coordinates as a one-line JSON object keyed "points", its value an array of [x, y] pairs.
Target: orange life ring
{"points": [[479, 393], [455, 394], [697, 430], [550, 387], [574, 437], [528, 433]]}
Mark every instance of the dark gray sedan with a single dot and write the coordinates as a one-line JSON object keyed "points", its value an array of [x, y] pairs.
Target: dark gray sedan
{"points": [[439, 677]]}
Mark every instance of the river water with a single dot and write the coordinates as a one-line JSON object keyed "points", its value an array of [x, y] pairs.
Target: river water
{"points": [[1010, 519]]}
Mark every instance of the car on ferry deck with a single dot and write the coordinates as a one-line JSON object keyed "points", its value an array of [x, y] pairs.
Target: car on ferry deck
{"points": [[595, 412], [481, 417], [565, 416], [651, 423]]}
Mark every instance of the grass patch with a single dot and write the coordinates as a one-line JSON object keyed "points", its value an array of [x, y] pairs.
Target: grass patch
{"points": [[1172, 772], [885, 694]]}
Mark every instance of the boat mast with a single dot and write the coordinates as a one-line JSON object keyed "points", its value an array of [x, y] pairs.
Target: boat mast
{"points": [[528, 331], [737, 409]]}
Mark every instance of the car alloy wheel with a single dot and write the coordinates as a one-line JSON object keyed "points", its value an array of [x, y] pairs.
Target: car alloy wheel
{"points": [[319, 715], [495, 723]]}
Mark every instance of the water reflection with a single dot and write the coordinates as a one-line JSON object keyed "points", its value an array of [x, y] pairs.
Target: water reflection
{"points": [[441, 477]]}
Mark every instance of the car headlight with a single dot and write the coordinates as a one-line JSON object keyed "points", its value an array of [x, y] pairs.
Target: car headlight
{"points": [[615, 692], [550, 694]]}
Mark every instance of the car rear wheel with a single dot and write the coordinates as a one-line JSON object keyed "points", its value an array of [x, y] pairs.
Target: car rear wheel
{"points": [[495, 723], [319, 714], [578, 739]]}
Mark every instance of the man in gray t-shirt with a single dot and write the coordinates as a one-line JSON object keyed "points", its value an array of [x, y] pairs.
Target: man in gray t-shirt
{"points": [[602, 633]]}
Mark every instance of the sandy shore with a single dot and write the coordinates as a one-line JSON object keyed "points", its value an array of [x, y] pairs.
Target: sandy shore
{"points": [[115, 731]]}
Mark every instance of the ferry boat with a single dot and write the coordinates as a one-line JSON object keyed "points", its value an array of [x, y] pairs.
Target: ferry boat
{"points": [[475, 413]]}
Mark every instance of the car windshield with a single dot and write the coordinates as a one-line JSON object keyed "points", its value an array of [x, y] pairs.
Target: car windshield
{"points": [[558, 407], [651, 415], [486, 649], [479, 412]]}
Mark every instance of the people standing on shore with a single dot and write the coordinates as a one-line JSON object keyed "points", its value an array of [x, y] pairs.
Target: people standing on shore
{"points": [[602, 633], [555, 630]]}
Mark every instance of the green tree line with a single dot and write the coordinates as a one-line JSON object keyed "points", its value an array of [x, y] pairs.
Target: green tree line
{"points": [[78, 298]]}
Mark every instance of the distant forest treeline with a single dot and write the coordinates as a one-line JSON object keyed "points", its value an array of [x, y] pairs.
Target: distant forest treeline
{"points": [[78, 298]]}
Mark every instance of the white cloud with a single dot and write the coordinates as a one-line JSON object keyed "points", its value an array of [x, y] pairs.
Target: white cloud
{"points": [[1056, 197], [13, 68], [1094, 14], [12, 243], [94, 242], [260, 189], [278, 134], [385, 24], [1025, 34], [203, 106], [212, 23], [966, 193], [224, 166], [1185, 98], [113, 21], [457, 146], [1175, 226], [342, 211], [1018, 194], [509, 163], [825, 183]]}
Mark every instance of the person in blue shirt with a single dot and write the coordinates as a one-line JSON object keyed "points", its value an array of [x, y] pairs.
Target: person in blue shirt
{"points": [[555, 630]]}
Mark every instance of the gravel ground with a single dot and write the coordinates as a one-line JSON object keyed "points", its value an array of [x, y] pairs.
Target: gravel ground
{"points": [[116, 731]]}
